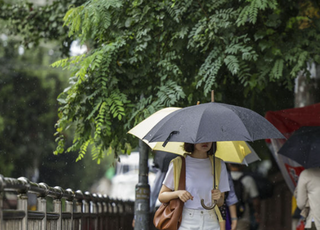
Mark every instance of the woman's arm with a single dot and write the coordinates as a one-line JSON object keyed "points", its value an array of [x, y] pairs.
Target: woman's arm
{"points": [[233, 216], [302, 193], [166, 194]]}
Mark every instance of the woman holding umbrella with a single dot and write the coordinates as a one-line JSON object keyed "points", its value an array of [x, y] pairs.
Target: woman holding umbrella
{"points": [[199, 185], [201, 125]]}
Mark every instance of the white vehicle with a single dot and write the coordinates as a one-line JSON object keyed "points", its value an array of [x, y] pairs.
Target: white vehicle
{"points": [[127, 176]]}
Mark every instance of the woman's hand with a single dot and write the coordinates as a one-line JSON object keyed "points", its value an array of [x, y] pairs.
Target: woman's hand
{"points": [[166, 194], [216, 194], [184, 195]]}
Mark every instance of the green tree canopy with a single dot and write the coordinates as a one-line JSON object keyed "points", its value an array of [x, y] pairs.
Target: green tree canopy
{"points": [[147, 55], [35, 24]]}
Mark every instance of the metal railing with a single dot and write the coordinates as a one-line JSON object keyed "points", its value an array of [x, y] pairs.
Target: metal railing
{"points": [[72, 210]]}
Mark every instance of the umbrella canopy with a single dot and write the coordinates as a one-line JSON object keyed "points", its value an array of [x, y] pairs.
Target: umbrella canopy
{"points": [[141, 129], [229, 151], [211, 122], [249, 158], [303, 147]]}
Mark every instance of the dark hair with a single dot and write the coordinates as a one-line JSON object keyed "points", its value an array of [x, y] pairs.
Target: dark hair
{"points": [[188, 147]]}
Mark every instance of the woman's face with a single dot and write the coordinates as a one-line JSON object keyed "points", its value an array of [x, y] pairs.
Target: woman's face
{"points": [[203, 147]]}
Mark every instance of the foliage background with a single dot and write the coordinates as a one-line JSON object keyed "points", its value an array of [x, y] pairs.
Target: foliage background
{"points": [[174, 53], [145, 55]]}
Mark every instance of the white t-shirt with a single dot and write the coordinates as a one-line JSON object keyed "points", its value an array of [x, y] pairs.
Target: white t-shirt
{"points": [[199, 181]]}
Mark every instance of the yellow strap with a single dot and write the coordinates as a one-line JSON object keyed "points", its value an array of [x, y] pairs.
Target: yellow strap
{"points": [[217, 168], [177, 164], [216, 208]]}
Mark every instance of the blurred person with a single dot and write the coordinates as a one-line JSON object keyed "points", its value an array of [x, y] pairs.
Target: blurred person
{"points": [[231, 201], [250, 194], [160, 167], [161, 163], [229, 207], [308, 194]]}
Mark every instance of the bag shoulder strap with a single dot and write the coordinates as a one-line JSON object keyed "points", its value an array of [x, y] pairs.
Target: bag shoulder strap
{"points": [[182, 180]]}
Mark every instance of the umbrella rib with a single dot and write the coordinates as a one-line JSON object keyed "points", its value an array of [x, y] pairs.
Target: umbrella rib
{"points": [[199, 122], [241, 122]]}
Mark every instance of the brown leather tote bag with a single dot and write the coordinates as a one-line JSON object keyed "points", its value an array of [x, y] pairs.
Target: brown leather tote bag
{"points": [[169, 215]]}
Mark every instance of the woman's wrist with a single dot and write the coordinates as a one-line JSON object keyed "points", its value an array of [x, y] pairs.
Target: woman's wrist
{"points": [[234, 218], [220, 202]]}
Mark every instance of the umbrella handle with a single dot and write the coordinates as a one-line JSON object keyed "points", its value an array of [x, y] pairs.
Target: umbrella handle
{"points": [[206, 207], [214, 185]]}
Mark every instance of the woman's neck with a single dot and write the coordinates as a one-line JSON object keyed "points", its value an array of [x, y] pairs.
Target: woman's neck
{"points": [[199, 154]]}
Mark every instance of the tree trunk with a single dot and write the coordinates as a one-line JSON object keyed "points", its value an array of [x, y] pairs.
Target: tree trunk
{"points": [[307, 89]]}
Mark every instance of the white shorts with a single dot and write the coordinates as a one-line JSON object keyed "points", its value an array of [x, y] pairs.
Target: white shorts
{"points": [[199, 220]]}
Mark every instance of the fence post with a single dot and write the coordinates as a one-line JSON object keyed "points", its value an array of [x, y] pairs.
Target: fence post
{"points": [[42, 205], [121, 214], [79, 208], [100, 212], [119, 211], [86, 209], [22, 203], [115, 211], [109, 214], [1, 201], [69, 206], [105, 211], [57, 206], [93, 211]]}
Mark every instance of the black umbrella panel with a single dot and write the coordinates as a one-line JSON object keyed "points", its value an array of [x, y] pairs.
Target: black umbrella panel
{"points": [[303, 147], [211, 122]]}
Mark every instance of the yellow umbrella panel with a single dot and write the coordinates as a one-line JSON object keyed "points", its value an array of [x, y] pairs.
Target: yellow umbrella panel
{"points": [[229, 151]]}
